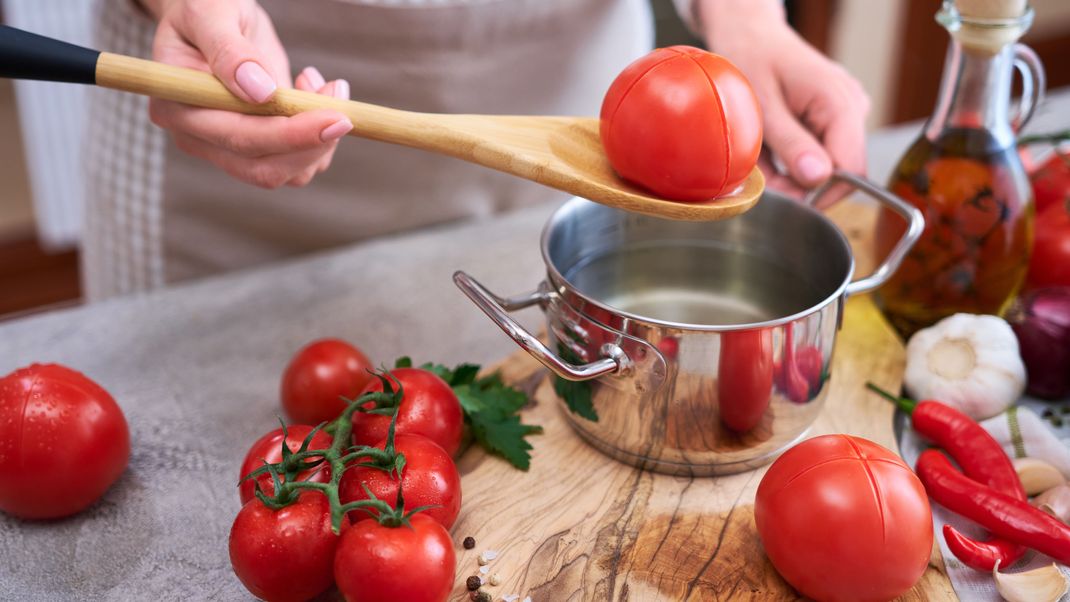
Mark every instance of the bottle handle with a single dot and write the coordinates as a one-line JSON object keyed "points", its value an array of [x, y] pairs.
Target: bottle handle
{"points": [[1034, 82]]}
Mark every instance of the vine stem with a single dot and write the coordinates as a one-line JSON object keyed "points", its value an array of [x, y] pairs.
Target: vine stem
{"points": [[338, 456]]}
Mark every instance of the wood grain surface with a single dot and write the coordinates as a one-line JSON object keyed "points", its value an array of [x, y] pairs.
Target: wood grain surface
{"points": [[581, 526]]}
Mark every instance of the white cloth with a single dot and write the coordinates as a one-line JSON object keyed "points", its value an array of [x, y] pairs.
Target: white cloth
{"points": [[52, 119], [1033, 436], [183, 218]]}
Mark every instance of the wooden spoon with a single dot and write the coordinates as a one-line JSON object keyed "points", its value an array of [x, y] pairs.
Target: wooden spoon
{"points": [[561, 152]]}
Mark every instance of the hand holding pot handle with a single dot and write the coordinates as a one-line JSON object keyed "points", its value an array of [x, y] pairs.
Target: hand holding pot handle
{"points": [[914, 218], [497, 309]]}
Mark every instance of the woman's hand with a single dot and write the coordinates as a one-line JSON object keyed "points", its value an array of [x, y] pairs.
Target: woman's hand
{"points": [[813, 110], [235, 40]]}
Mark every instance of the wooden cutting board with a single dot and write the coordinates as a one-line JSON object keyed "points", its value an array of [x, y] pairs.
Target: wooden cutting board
{"points": [[581, 526]]}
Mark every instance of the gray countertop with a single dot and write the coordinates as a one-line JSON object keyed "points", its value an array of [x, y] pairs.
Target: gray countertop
{"points": [[196, 370]]}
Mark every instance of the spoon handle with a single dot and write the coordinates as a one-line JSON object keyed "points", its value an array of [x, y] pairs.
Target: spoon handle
{"points": [[25, 55]]}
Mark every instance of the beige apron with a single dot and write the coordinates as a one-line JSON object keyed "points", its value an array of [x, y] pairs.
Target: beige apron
{"points": [[489, 56]]}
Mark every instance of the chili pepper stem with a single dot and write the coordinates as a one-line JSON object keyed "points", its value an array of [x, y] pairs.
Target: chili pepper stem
{"points": [[905, 404]]}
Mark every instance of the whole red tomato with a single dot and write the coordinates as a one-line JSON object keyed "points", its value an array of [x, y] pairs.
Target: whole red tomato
{"points": [[842, 518], [319, 376], [683, 123], [1050, 263], [63, 442], [269, 449], [428, 407], [375, 562], [430, 479], [745, 377], [285, 554], [1051, 181]]}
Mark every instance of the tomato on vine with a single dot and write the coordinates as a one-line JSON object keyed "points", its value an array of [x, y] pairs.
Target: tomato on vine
{"points": [[390, 558], [268, 449], [428, 407], [319, 379], [431, 479], [286, 553]]}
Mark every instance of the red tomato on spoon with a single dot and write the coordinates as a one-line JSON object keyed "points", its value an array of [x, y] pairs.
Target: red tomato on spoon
{"points": [[683, 123], [63, 442]]}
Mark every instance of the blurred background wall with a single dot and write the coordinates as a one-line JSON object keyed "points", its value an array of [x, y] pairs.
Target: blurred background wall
{"points": [[894, 47]]}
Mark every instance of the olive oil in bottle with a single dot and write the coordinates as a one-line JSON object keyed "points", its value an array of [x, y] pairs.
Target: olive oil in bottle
{"points": [[966, 177]]}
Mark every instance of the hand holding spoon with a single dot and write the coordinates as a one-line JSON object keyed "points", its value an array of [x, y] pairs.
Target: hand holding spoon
{"points": [[561, 152]]}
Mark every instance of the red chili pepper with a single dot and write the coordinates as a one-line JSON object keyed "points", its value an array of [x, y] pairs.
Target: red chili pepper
{"points": [[1006, 516], [982, 555], [981, 458]]}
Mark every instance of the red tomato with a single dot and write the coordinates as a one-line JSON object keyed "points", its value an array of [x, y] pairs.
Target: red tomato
{"points": [[842, 518], [285, 554], [1051, 181], [319, 376], [430, 478], [1050, 263], [683, 123], [428, 407], [63, 442], [376, 563], [269, 449], [745, 377]]}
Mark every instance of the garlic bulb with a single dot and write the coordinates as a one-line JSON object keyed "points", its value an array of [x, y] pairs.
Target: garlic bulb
{"points": [[967, 361]]}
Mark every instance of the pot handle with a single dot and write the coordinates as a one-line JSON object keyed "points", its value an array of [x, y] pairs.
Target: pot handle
{"points": [[497, 309], [915, 221]]}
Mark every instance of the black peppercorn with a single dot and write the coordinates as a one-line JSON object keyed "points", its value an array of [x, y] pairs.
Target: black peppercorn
{"points": [[481, 596], [473, 583], [469, 543]]}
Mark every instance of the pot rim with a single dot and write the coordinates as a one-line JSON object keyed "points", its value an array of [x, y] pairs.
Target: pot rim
{"points": [[559, 279]]}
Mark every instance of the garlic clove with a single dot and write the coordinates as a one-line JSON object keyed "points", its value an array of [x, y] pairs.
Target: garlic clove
{"points": [[1046, 584], [1056, 502], [1037, 475]]}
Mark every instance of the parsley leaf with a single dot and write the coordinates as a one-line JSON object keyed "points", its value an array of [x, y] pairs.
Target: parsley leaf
{"points": [[577, 394], [491, 409]]}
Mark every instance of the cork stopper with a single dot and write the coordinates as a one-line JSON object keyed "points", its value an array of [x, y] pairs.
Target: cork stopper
{"points": [[987, 25], [990, 9]]}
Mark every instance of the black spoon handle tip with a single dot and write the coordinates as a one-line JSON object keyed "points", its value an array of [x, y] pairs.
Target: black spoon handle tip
{"points": [[25, 55]]}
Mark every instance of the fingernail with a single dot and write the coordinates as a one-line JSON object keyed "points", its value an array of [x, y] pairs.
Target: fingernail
{"points": [[811, 168], [314, 77], [336, 130], [341, 89], [255, 81]]}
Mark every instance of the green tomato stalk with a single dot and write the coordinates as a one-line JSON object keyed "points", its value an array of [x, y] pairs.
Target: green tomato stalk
{"points": [[339, 456]]}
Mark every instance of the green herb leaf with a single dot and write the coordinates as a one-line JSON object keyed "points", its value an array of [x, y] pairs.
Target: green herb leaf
{"points": [[490, 409], [577, 396], [504, 437], [403, 362]]}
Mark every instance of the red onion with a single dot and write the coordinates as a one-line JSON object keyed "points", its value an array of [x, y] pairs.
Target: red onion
{"points": [[1041, 320]]}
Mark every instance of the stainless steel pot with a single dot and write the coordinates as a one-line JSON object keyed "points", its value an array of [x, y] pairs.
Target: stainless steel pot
{"points": [[693, 347]]}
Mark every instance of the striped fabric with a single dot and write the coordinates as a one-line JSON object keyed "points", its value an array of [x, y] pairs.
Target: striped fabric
{"points": [[122, 249]]}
